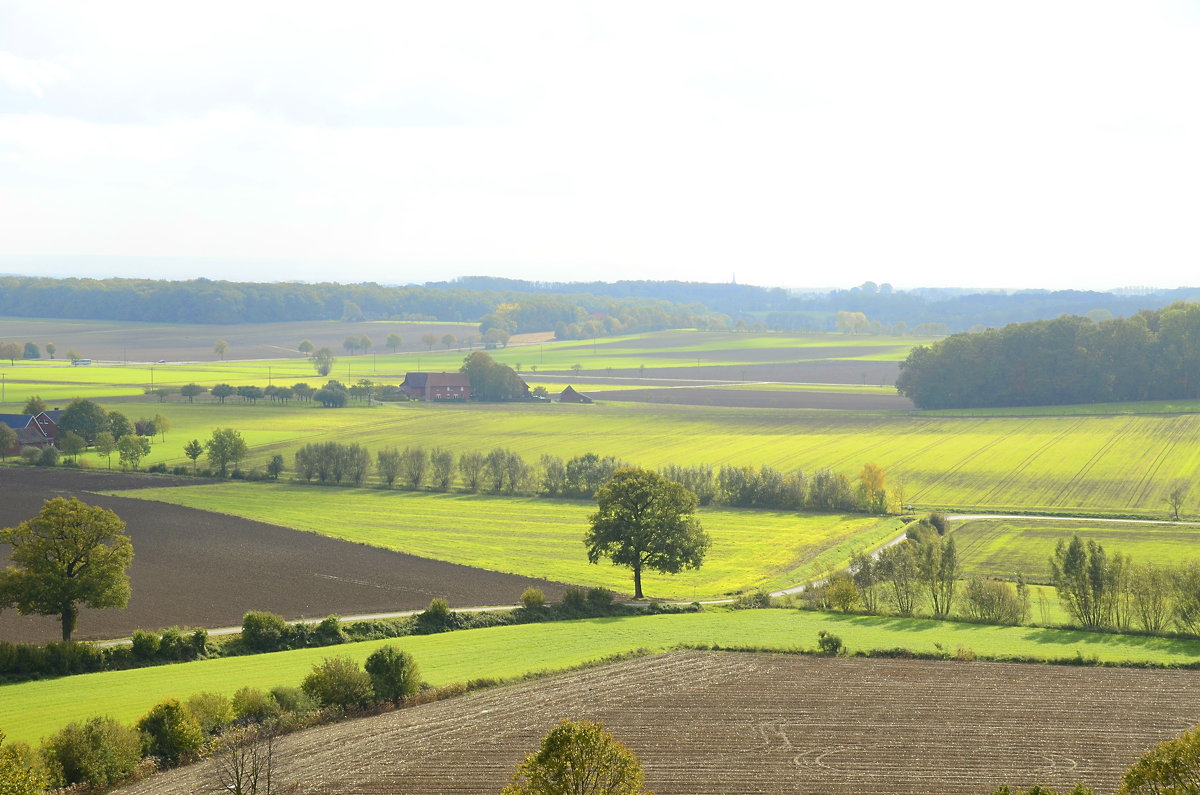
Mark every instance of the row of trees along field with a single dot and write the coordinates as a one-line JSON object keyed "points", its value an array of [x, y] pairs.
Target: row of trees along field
{"points": [[502, 471], [205, 301], [1153, 355]]}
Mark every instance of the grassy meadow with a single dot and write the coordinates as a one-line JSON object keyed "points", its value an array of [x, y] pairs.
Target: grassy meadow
{"points": [[31, 710], [1003, 547], [544, 538]]}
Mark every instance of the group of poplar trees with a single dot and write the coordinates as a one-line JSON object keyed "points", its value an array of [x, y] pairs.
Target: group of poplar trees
{"points": [[502, 471]]}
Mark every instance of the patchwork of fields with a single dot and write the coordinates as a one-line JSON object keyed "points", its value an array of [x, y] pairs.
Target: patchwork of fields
{"points": [[544, 538], [32, 709], [751, 723]]}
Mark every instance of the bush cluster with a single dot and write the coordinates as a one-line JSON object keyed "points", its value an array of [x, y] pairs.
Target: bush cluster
{"points": [[22, 661]]}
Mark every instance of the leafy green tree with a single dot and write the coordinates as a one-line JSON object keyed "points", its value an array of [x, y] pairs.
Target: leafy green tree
{"points": [[70, 443], [169, 732], [646, 521], [470, 466], [85, 418], [10, 351], [937, 568], [387, 464], [162, 425], [323, 361], [21, 772], [190, 391], [364, 343], [306, 347], [338, 682], [193, 450], [394, 674], [275, 467], [872, 483], [119, 425], [106, 445], [1170, 768], [8, 440], [441, 462], [350, 344], [429, 340], [73, 355], [99, 752], [579, 758], [220, 348], [1087, 580], [132, 449], [34, 405], [491, 380], [51, 349], [222, 391], [69, 554], [225, 448], [414, 463], [449, 340], [394, 341], [897, 567], [32, 351]]}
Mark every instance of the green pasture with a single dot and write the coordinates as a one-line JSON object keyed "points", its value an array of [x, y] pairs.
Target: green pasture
{"points": [[32, 710], [1077, 409], [544, 538], [1003, 547], [1114, 465]]}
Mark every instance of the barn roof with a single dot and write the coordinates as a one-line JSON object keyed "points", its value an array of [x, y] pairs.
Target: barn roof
{"points": [[16, 421]]}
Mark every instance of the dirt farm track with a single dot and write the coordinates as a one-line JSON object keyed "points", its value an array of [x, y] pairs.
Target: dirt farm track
{"points": [[201, 569], [733, 723]]}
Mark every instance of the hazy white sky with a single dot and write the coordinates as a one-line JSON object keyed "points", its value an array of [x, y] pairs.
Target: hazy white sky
{"points": [[1043, 143]]}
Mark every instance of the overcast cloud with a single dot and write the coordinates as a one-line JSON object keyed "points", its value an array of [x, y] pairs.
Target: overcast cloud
{"points": [[1047, 144]]}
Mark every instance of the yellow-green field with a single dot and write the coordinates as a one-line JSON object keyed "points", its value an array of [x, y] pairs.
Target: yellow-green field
{"points": [[34, 709], [544, 538], [1003, 547]]}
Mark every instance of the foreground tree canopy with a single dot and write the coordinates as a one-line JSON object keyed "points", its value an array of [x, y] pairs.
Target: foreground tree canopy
{"points": [[579, 758], [70, 554], [646, 521], [1153, 355]]}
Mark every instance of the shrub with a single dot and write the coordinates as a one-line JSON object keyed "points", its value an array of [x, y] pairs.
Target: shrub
{"points": [[753, 601], [533, 599], [579, 756], [145, 645], [328, 632], [31, 455], [99, 752], [574, 600], [293, 699], [599, 597], [993, 601], [338, 682], [253, 705], [263, 631], [437, 617], [938, 522], [1170, 767], [211, 711], [173, 645], [48, 457], [170, 732], [21, 770], [394, 674], [828, 643]]}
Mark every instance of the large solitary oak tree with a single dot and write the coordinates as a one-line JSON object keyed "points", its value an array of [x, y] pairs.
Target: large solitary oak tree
{"points": [[646, 521], [70, 554]]}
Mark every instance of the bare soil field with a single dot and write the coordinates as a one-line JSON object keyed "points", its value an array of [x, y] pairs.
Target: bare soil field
{"points": [[121, 340], [732, 723], [748, 398], [201, 569], [811, 372], [762, 355]]}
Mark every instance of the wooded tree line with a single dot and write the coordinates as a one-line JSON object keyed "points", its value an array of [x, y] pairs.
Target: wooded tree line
{"points": [[1153, 355], [206, 301]]}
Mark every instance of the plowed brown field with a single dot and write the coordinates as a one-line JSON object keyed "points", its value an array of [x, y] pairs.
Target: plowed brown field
{"points": [[202, 569], [732, 723]]}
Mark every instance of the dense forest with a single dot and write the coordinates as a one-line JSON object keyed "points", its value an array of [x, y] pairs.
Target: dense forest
{"points": [[1152, 355], [205, 301]]}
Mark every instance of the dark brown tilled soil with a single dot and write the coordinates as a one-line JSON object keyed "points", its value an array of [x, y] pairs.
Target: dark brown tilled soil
{"points": [[747, 398], [195, 568], [734, 723]]}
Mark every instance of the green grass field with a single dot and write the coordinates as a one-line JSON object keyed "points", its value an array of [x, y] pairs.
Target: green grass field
{"points": [[544, 538], [1003, 547], [1115, 465], [34, 709]]}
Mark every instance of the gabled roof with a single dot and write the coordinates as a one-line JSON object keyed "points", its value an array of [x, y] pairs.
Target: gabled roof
{"points": [[16, 421], [571, 396], [447, 379]]}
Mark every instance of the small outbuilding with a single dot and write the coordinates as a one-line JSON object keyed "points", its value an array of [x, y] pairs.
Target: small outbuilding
{"points": [[437, 386], [569, 395]]}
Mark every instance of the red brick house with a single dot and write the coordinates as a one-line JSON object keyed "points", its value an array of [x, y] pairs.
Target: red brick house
{"points": [[437, 386], [36, 430]]}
